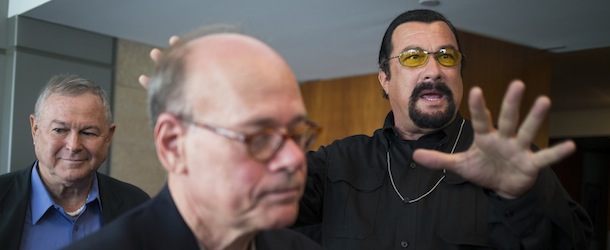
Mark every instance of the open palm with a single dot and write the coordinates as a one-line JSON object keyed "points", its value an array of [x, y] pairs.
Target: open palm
{"points": [[501, 158]]}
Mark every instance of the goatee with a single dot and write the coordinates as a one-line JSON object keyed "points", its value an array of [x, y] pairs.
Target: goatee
{"points": [[435, 120]]}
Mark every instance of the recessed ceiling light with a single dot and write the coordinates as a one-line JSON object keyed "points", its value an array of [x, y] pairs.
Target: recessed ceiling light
{"points": [[429, 2]]}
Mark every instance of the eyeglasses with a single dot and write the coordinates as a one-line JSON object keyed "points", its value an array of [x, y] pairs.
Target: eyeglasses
{"points": [[265, 144], [417, 57]]}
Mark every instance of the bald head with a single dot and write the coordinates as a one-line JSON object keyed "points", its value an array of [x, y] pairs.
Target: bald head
{"points": [[228, 70], [222, 64]]}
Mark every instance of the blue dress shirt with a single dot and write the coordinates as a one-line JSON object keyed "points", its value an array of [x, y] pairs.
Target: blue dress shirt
{"points": [[47, 226]]}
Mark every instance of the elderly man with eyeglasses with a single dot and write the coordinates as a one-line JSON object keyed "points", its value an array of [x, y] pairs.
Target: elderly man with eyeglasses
{"points": [[231, 129]]}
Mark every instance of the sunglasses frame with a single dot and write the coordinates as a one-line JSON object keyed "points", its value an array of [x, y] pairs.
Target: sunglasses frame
{"points": [[436, 54]]}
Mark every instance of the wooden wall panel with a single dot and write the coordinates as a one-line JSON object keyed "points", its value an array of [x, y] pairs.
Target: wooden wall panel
{"points": [[493, 64], [345, 106]]}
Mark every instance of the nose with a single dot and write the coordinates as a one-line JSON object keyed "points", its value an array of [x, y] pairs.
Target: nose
{"points": [[73, 142], [432, 69], [290, 157]]}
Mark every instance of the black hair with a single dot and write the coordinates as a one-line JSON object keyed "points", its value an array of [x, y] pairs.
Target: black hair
{"points": [[420, 15]]}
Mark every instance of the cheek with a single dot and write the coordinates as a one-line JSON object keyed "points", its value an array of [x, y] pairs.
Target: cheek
{"points": [[222, 169], [96, 148], [403, 89], [247, 179], [239, 192], [458, 88], [404, 79], [48, 144]]}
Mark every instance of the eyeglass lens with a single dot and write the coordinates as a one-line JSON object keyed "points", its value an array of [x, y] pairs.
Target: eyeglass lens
{"points": [[418, 57], [268, 142]]}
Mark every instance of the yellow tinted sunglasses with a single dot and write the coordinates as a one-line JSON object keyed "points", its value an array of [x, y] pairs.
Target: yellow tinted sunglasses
{"points": [[417, 57]]}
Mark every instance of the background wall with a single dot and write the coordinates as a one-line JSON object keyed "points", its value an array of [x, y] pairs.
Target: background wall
{"points": [[133, 153], [346, 106]]}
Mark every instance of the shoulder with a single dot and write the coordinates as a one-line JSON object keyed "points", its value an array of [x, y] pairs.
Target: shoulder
{"points": [[357, 148], [354, 143], [17, 181], [153, 225], [19, 174], [111, 185], [284, 239]]}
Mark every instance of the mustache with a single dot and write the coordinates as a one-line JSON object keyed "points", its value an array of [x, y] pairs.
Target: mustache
{"points": [[441, 87]]}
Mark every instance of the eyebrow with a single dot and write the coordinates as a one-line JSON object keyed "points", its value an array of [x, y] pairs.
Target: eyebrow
{"points": [[448, 46], [65, 124]]}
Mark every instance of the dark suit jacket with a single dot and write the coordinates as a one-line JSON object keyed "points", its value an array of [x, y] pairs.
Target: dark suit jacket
{"points": [[117, 197], [158, 225]]}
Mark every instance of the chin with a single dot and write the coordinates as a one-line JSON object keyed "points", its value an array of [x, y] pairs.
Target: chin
{"points": [[77, 174]]}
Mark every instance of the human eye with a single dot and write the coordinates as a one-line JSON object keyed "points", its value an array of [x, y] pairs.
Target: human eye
{"points": [[413, 54], [88, 133], [265, 143], [59, 130], [447, 54], [304, 134], [261, 140], [413, 57]]}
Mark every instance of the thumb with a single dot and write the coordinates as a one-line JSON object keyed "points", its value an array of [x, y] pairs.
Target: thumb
{"points": [[433, 159]]}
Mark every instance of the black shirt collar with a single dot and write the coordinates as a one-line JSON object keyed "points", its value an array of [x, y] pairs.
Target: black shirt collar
{"points": [[439, 138]]}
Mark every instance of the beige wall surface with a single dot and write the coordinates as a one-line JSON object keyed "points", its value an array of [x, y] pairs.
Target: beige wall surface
{"points": [[133, 157]]}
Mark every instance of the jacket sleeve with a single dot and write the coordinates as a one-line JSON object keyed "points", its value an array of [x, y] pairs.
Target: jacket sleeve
{"points": [[544, 218]]}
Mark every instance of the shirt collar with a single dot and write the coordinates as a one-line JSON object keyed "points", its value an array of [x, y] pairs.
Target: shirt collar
{"points": [[452, 128], [41, 200]]}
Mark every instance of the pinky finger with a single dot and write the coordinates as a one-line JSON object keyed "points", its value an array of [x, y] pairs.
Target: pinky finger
{"points": [[548, 156]]}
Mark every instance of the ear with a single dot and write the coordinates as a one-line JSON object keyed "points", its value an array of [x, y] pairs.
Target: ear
{"points": [[34, 127], [110, 132], [169, 135], [383, 80]]}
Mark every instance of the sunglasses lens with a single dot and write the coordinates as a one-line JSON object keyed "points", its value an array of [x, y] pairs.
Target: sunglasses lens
{"points": [[413, 58], [448, 57]]}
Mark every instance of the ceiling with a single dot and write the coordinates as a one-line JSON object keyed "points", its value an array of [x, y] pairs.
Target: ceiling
{"points": [[328, 39], [324, 39]]}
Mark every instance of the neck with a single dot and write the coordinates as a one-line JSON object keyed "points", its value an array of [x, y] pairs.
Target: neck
{"points": [[411, 132], [69, 195]]}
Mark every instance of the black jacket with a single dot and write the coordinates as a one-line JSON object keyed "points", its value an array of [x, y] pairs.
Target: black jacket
{"points": [[158, 225], [350, 203]]}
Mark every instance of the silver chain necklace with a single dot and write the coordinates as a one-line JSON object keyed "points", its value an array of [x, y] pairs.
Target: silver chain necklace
{"points": [[407, 200]]}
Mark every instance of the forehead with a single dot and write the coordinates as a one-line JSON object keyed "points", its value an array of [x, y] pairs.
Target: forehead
{"points": [[246, 98], [85, 107], [255, 84], [428, 36]]}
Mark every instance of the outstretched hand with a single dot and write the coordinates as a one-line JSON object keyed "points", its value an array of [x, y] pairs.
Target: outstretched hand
{"points": [[501, 159], [156, 55]]}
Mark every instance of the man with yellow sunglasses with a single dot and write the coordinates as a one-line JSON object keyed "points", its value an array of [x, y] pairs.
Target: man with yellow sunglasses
{"points": [[429, 179]]}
